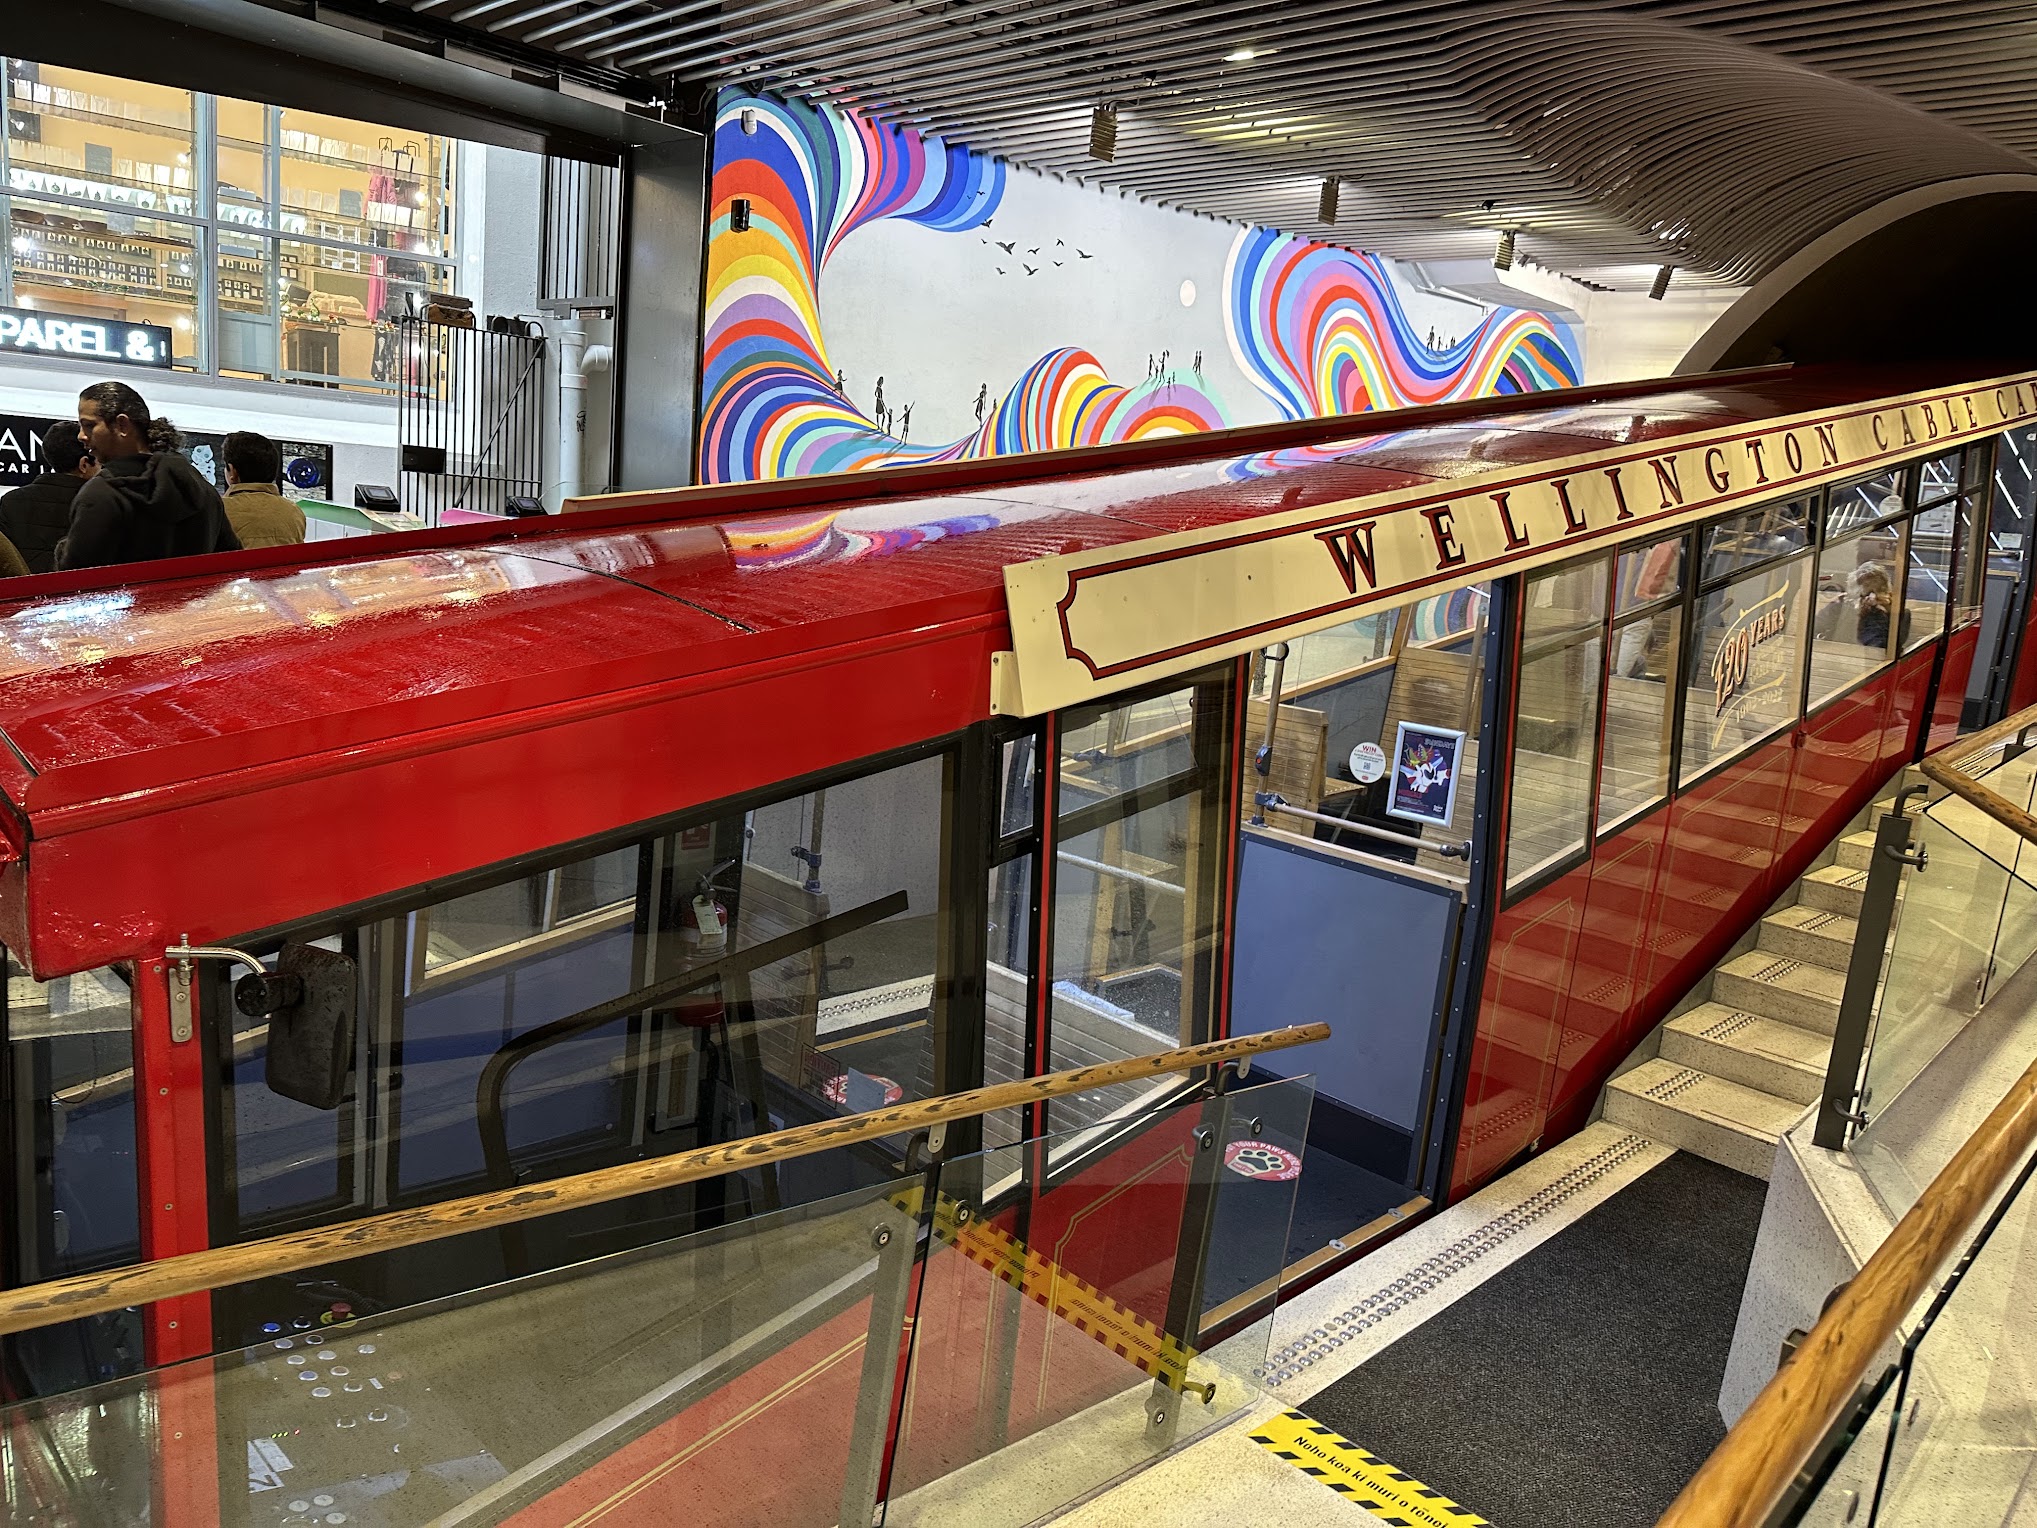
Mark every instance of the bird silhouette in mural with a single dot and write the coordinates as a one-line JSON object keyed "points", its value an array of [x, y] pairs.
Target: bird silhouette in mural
{"points": [[1031, 270], [1034, 250], [1007, 248], [1002, 271], [982, 401], [1085, 254], [1059, 263], [1060, 243]]}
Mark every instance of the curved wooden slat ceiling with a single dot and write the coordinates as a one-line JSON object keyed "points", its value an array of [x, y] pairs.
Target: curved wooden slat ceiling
{"points": [[1717, 136]]}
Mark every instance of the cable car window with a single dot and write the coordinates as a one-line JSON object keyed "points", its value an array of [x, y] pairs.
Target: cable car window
{"points": [[1928, 589], [1938, 478], [1648, 575], [1647, 642], [1326, 658], [1864, 501], [1969, 536], [1007, 1018], [1138, 860], [458, 937], [1431, 676], [1556, 716], [1856, 627], [71, 1200], [1746, 664], [1743, 541]]}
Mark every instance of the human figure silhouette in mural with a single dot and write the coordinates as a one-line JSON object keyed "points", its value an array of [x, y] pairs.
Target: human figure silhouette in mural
{"points": [[1198, 368], [877, 411], [982, 401], [842, 382], [905, 424]]}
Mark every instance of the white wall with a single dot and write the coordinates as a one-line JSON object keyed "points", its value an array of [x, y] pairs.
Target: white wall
{"points": [[1627, 336], [931, 313]]}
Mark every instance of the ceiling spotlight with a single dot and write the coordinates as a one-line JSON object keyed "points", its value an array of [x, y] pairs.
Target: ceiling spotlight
{"points": [[1103, 133], [1503, 253], [1326, 209], [1661, 284], [1241, 56]]}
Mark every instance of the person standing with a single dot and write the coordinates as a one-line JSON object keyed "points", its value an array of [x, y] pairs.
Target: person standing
{"points": [[146, 501], [37, 515], [11, 565], [255, 505]]}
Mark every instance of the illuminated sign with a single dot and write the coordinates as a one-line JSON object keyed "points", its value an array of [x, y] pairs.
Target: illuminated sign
{"points": [[29, 331]]}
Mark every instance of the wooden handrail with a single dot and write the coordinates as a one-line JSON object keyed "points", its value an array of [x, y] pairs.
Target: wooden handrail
{"points": [[1740, 1484], [92, 1294], [1747, 1474]]}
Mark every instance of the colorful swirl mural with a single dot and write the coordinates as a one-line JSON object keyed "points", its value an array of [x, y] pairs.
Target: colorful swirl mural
{"points": [[1318, 330], [812, 177], [1321, 331]]}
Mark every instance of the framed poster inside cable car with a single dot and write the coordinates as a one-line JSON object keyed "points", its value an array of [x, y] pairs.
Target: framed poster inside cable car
{"points": [[1424, 773]]}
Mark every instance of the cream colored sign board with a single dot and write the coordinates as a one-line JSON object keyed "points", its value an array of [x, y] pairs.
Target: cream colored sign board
{"points": [[1089, 624]]}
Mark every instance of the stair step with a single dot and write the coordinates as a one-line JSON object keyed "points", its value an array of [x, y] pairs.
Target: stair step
{"points": [[1856, 850], [1763, 1054], [1721, 1121], [1817, 936], [1836, 888], [1776, 987]]}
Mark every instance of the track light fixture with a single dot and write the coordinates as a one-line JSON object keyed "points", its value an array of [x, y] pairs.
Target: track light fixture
{"points": [[1103, 133], [1326, 208], [1503, 252], [739, 215], [1661, 285]]}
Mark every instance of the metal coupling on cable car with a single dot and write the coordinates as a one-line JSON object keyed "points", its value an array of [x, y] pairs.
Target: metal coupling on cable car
{"points": [[180, 980]]}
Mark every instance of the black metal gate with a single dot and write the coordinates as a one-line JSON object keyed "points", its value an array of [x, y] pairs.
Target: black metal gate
{"points": [[470, 419]]}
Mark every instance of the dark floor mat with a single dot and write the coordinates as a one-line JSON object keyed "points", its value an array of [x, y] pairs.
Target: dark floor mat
{"points": [[1578, 1388]]}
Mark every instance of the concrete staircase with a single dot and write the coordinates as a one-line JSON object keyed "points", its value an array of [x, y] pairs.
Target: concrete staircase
{"points": [[1744, 1055]]}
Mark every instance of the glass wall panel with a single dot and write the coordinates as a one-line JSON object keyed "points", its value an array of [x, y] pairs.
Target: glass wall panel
{"points": [[1556, 720], [1856, 628], [1138, 855], [1746, 664]]}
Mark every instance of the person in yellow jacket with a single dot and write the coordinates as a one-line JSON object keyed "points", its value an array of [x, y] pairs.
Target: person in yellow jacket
{"points": [[255, 505]]}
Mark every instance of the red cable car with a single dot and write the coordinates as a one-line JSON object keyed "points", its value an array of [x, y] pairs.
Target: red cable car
{"points": [[1478, 732]]}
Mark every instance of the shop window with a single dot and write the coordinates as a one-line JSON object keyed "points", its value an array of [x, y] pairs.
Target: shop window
{"points": [[1136, 893], [1746, 663], [103, 221], [355, 183], [91, 262], [1863, 502], [120, 143], [1641, 681], [1856, 626], [1556, 717]]}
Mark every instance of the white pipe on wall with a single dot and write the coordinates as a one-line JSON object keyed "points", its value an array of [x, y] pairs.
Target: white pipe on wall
{"points": [[572, 341]]}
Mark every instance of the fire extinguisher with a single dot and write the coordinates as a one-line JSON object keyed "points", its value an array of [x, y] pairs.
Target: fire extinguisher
{"points": [[704, 917]]}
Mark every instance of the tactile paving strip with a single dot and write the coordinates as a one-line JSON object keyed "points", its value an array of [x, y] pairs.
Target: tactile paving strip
{"points": [[1446, 1264]]}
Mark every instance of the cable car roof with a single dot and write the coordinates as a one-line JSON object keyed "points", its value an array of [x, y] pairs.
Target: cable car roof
{"points": [[215, 677]]}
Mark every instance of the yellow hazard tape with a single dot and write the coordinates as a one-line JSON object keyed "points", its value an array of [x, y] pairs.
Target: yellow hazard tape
{"points": [[1081, 1304], [1340, 1464]]}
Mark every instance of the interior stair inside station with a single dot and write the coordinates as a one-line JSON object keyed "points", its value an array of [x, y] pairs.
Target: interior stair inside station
{"points": [[1744, 1054]]}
